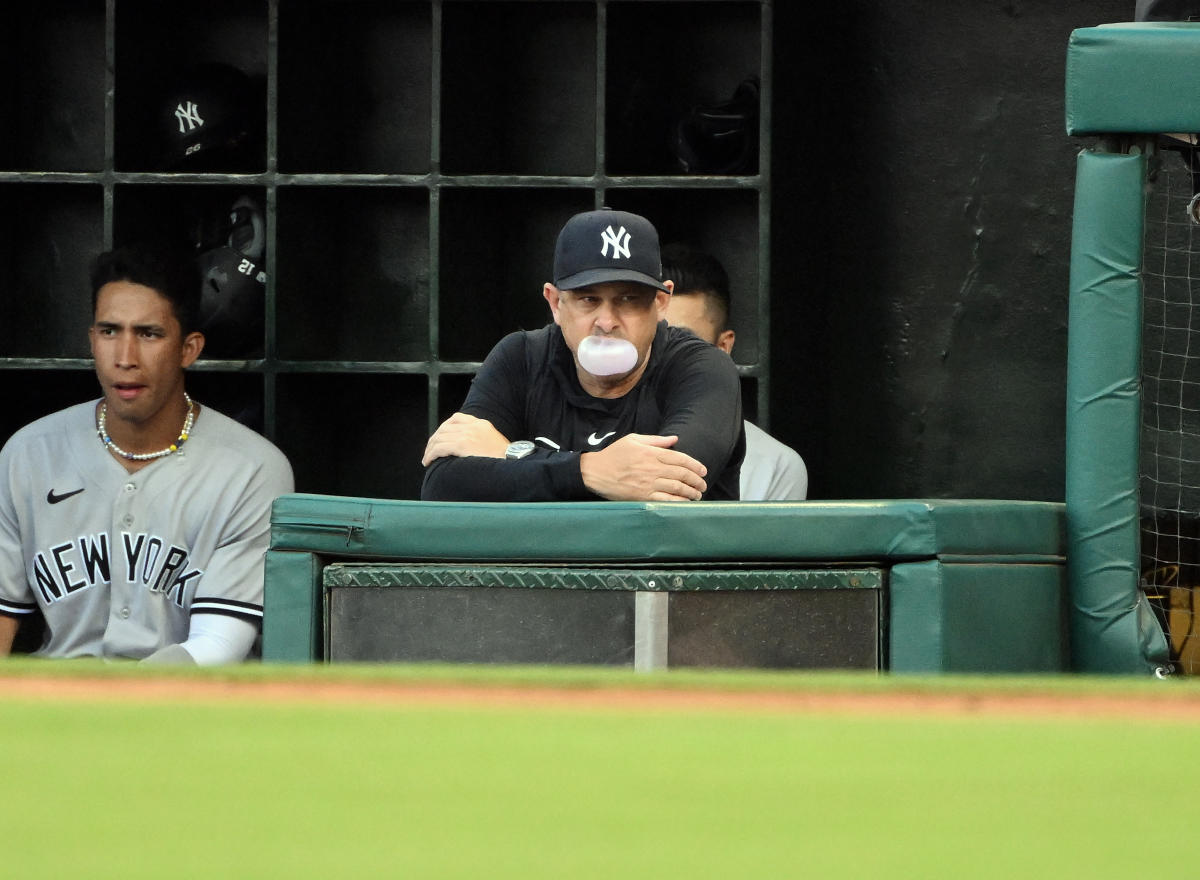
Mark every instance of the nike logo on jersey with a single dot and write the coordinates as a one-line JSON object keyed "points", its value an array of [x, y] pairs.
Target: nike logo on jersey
{"points": [[54, 499], [593, 440]]}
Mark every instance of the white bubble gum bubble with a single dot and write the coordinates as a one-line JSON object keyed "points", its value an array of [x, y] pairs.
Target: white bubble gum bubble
{"points": [[605, 356]]}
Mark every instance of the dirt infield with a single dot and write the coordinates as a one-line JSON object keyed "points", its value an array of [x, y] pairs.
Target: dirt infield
{"points": [[1157, 705]]}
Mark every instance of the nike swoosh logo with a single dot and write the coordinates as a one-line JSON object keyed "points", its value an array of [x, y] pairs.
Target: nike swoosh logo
{"points": [[54, 499], [593, 439]]}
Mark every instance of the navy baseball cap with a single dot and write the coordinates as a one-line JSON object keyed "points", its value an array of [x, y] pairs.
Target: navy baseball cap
{"points": [[607, 245]]}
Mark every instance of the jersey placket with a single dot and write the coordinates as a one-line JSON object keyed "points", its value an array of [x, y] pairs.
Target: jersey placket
{"points": [[123, 597]]}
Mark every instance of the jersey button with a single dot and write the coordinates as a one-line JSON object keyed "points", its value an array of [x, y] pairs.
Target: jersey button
{"points": [[124, 613], [130, 487], [127, 519]]}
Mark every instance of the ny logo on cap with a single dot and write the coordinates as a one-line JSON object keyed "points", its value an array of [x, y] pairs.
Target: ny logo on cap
{"points": [[618, 240], [191, 116]]}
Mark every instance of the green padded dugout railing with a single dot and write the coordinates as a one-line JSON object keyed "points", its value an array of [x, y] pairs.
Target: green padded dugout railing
{"points": [[1128, 82], [1133, 78], [971, 585]]}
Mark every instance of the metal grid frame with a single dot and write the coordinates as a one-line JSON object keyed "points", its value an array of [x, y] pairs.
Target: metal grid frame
{"points": [[434, 183]]}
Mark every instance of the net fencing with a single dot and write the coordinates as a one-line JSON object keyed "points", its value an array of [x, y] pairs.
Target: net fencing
{"points": [[1169, 467]]}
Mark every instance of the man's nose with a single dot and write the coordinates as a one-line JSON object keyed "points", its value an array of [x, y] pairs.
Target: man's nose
{"points": [[606, 316], [126, 350]]}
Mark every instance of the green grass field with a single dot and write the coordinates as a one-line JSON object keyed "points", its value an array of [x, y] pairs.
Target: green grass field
{"points": [[250, 786]]}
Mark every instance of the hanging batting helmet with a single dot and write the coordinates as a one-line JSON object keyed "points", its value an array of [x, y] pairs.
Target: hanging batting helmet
{"points": [[720, 138], [231, 250], [207, 121]]}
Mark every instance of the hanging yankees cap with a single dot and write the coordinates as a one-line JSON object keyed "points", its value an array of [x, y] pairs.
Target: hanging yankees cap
{"points": [[607, 245]]}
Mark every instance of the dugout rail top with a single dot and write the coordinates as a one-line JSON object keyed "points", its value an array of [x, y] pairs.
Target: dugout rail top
{"points": [[1133, 78], [604, 531]]}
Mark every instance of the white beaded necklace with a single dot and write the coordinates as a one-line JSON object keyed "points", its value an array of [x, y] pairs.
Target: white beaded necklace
{"points": [[102, 431]]}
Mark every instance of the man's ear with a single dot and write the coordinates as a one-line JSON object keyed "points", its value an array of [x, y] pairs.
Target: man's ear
{"points": [[725, 341], [553, 296], [662, 299], [193, 344]]}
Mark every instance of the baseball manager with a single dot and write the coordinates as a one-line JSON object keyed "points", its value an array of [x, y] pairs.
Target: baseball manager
{"points": [[606, 402]]}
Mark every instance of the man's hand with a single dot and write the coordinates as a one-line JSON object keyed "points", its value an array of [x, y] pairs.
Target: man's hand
{"points": [[8, 632], [643, 467], [462, 435], [170, 655]]}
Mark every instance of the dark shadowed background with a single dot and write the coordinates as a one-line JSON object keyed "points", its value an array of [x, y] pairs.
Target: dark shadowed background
{"points": [[921, 218]]}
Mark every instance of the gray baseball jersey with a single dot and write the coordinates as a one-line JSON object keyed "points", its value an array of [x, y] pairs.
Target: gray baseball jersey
{"points": [[118, 562], [771, 471]]}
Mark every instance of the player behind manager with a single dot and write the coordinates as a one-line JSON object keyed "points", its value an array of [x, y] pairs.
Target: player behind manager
{"points": [[608, 401], [138, 523]]}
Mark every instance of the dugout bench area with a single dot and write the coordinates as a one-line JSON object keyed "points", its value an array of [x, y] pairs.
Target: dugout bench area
{"points": [[906, 585], [903, 585]]}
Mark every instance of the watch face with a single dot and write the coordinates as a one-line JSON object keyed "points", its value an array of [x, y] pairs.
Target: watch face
{"points": [[519, 449]]}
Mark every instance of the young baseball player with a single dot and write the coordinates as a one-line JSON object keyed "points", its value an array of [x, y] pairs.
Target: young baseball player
{"points": [[137, 524], [607, 401]]}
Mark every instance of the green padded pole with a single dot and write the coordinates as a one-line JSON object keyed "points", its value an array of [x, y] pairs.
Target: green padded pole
{"points": [[1111, 629]]}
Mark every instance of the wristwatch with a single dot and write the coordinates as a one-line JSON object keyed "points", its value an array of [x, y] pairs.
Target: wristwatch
{"points": [[519, 449]]}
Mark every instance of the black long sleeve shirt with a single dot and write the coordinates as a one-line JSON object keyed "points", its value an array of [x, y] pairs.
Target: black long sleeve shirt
{"points": [[529, 390]]}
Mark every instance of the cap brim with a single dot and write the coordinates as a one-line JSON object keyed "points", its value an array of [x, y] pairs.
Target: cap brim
{"points": [[600, 276]]}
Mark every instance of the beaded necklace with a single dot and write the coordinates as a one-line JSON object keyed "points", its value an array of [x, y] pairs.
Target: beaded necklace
{"points": [[102, 431]]}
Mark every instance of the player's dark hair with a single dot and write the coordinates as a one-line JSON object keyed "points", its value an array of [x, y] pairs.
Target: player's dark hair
{"points": [[169, 269], [697, 272]]}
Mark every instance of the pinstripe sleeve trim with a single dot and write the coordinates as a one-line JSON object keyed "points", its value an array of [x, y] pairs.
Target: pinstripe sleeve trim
{"points": [[17, 609], [231, 607]]}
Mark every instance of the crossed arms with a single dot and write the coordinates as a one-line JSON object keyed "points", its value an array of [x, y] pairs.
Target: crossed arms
{"points": [[636, 467]]}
